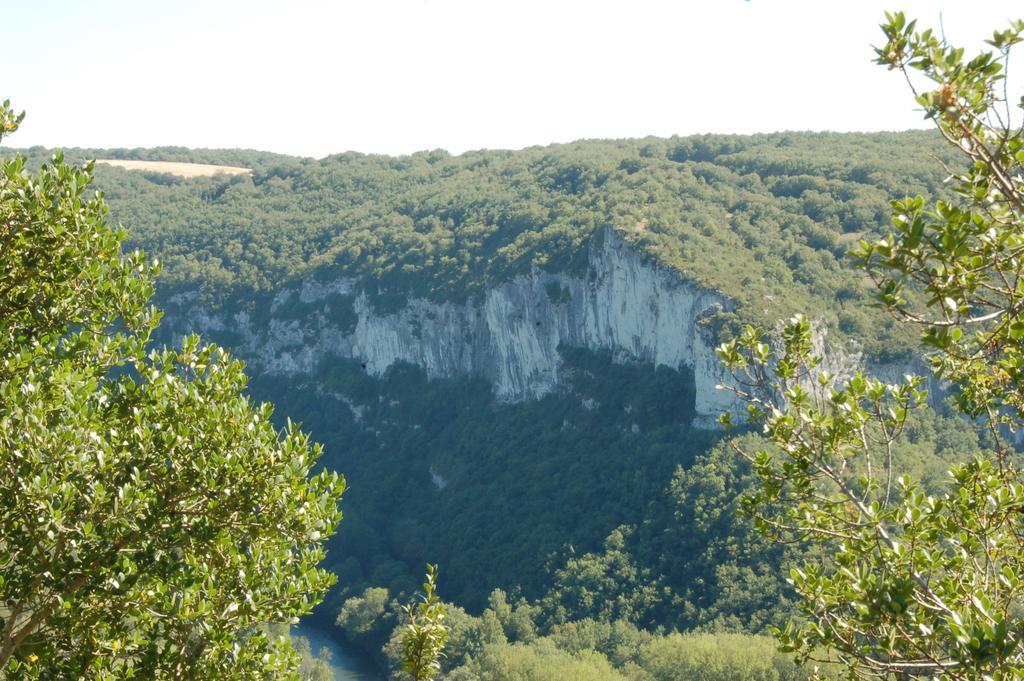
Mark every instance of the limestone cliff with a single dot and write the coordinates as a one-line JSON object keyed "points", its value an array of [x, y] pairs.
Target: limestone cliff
{"points": [[622, 303]]}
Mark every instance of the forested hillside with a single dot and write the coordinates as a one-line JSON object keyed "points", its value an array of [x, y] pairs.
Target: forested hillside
{"points": [[604, 518], [765, 219]]}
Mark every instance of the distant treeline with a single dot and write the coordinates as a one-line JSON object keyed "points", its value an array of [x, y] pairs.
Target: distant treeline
{"points": [[764, 218]]}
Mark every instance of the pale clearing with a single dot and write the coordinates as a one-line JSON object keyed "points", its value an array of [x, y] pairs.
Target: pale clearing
{"points": [[173, 168]]}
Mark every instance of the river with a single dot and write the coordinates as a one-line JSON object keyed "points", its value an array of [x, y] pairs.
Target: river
{"points": [[347, 662]]}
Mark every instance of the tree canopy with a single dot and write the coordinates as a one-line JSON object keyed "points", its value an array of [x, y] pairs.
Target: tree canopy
{"points": [[153, 518]]}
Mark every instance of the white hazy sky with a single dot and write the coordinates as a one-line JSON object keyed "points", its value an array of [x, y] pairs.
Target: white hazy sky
{"points": [[395, 76]]}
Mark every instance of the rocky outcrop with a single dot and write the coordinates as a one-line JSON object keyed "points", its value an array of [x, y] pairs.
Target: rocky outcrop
{"points": [[622, 303]]}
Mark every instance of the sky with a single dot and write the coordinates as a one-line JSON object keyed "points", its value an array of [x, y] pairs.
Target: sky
{"points": [[397, 76]]}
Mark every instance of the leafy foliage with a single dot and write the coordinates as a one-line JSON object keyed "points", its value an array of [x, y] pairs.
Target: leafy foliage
{"points": [[425, 633], [910, 583], [152, 515], [965, 254]]}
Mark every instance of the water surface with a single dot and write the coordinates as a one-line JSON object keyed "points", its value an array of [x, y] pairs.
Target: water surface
{"points": [[348, 663]]}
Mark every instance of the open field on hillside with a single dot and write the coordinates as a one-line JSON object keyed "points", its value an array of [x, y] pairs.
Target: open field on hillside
{"points": [[173, 168]]}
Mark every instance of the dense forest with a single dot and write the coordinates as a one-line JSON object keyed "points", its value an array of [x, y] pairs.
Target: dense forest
{"points": [[592, 532], [599, 514], [765, 218]]}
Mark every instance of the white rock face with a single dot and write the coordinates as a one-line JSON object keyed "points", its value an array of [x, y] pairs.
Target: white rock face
{"points": [[623, 304]]}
